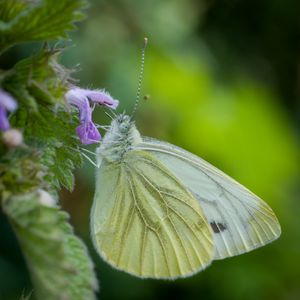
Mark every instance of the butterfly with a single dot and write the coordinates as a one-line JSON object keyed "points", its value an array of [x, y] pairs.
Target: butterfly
{"points": [[162, 212]]}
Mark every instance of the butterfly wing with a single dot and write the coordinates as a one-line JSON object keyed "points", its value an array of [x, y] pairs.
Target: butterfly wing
{"points": [[240, 220], [145, 222]]}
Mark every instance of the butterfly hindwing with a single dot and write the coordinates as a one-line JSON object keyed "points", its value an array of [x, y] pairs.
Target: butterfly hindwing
{"points": [[144, 221], [240, 220]]}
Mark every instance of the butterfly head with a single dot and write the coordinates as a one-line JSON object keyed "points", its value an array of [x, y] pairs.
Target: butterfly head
{"points": [[124, 122], [119, 138]]}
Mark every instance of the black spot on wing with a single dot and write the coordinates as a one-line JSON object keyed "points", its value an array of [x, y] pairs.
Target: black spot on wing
{"points": [[217, 227]]}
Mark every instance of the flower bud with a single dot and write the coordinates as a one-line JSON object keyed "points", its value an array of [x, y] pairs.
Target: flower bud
{"points": [[12, 138], [46, 199]]}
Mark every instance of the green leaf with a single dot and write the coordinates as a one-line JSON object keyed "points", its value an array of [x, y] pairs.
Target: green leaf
{"points": [[58, 261], [21, 171], [38, 84], [39, 78], [22, 21], [54, 135]]}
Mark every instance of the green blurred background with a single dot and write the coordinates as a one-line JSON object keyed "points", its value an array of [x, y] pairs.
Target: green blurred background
{"points": [[224, 82]]}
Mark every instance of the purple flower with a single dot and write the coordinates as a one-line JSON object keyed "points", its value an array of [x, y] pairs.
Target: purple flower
{"points": [[101, 97], [81, 98], [88, 133], [7, 103]]}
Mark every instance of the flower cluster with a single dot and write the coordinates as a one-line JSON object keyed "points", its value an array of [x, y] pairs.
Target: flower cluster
{"points": [[81, 98], [7, 104]]}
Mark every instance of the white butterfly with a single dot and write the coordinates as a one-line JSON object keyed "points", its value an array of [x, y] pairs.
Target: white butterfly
{"points": [[162, 212]]}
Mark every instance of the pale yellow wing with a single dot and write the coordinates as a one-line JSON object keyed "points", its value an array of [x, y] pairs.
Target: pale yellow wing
{"points": [[241, 221], [146, 223]]}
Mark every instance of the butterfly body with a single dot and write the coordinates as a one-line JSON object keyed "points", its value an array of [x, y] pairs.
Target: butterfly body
{"points": [[162, 212], [118, 140]]}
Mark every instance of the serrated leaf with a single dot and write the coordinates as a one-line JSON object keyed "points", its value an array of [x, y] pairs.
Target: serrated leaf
{"points": [[21, 171], [11, 8], [39, 84], [58, 261], [37, 20], [38, 78]]}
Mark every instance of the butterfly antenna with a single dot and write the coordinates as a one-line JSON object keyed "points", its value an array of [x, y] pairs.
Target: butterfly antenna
{"points": [[138, 93], [108, 115]]}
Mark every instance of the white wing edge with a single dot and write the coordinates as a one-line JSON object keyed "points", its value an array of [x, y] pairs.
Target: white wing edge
{"points": [[237, 239]]}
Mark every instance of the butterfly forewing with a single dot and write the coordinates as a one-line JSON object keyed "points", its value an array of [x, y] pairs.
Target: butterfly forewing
{"points": [[144, 220], [240, 220]]}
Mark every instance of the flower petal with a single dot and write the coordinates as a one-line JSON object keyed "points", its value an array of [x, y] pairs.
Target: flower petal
{"points": [[4, 124], [7, 101], [88, 133], [101, 97], [78, 99]]}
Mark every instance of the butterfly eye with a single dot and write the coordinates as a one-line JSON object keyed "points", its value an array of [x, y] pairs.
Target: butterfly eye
{"points": [[124, 127]]}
